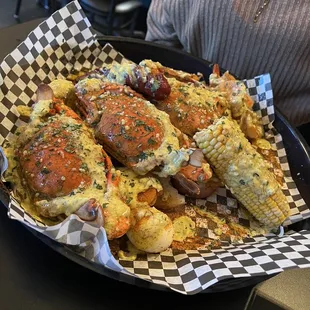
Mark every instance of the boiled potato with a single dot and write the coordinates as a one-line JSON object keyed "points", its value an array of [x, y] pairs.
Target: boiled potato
{"points": [[151, 230], [64, 89]]}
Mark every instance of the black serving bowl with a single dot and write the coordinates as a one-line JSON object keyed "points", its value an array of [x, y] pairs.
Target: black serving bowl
{"points": [[296, 148]]}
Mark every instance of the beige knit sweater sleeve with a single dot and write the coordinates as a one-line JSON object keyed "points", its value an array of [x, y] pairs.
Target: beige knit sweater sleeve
{"points": [[223, 32], [160, 27]]}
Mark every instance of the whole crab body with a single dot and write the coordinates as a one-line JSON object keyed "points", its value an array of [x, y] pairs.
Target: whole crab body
{"points": [[65, 170], [131, 128], [137, 134], [191, 106]]}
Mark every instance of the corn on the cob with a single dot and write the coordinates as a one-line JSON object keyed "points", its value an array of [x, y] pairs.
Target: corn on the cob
{"points": [[243, 170]]}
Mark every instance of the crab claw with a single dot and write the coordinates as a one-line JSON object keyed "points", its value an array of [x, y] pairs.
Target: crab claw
{"points": [[197, 169], [192, 179], [195, 189], [149, 196], [91, 212], [184, 185], [216, 69]]}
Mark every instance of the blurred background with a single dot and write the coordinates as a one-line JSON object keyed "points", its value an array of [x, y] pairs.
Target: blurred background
{"points": [[110, 17]]}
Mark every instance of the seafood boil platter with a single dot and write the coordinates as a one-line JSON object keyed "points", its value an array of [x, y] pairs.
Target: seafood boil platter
{"points": [[172, 176]]}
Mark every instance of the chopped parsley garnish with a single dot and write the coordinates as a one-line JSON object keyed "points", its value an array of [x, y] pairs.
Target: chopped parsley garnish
{"points": [[151, 141], [98, 186], [142, 156], [75, 126], [139, 122], [56, 132], [45, 170], [148, 128], [84, 166], [125, 135], [69, 149]]}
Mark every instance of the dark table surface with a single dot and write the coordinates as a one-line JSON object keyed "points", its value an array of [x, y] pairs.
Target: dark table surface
{"points": [[33, 276]]}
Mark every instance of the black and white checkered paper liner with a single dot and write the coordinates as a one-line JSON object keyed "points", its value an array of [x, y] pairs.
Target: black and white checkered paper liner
{"points": [[64, 42]]}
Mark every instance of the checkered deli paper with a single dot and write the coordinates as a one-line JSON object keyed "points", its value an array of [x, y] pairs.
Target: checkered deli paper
{"points": [[65, 42]]}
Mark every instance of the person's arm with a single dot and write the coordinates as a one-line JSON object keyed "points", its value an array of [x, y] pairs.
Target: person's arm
{"points": [[159, 24]]}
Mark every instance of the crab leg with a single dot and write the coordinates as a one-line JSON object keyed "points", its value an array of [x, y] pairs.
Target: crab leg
{"points": [[151, 83], [64, 169], [240, 102], [195, 179]]}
